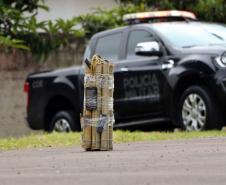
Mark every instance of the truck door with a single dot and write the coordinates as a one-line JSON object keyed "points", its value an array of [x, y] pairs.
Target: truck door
{"points": [[139, 82]]}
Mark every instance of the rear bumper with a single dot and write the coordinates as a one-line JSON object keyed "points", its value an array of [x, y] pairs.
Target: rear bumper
{"points": [[27, 122]]}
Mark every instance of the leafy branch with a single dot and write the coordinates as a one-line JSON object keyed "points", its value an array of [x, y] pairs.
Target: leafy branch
{"points": [[7, 42], [103, 19], [40, 38]]}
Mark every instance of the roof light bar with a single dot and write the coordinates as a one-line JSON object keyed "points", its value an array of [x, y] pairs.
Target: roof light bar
{"points": [[158, 14]]}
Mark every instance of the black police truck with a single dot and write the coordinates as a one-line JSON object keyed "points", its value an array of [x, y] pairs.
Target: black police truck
{"points": [[164, 71]]}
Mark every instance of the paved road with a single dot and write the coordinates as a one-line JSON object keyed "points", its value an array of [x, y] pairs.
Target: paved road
{"points": [[176, 162]]}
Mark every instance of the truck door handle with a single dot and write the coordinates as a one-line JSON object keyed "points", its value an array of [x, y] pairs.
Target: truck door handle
{"points": [[124, 69], [168, 64]]}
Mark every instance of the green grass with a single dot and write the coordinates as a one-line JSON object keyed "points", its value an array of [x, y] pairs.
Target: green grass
{"points": [[60, 139]]}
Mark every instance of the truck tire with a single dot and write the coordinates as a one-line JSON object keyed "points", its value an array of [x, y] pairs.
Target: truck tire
{"points": [[198, 110], [64, 121]]}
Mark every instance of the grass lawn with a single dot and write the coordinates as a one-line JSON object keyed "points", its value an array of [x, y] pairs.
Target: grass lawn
{"points": [[69, 139]]}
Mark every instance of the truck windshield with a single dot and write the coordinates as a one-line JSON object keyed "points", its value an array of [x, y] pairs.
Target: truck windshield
{"points": [[190, 35]]}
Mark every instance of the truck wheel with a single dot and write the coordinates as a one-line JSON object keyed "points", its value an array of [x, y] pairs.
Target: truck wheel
{"points": [[198, 110], [64, 121]]}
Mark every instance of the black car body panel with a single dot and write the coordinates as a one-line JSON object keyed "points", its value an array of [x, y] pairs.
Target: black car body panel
{"points": [[146, 87]]}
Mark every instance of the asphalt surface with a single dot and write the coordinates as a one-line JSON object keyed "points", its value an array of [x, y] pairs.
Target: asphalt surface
{"points": [[190, 161]]}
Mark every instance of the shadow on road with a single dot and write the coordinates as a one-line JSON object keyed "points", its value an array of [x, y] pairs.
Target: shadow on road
{"points": [[161, 127]]}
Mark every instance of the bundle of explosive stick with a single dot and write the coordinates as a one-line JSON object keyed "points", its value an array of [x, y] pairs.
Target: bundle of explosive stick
{"points": [[98, 116]]}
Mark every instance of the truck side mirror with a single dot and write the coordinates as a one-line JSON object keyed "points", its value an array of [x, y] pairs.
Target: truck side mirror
{"points": [[148, 49]]}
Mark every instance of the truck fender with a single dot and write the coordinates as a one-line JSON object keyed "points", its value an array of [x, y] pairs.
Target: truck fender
{"points": [[189, 68], [64, 87], [64, 80]]}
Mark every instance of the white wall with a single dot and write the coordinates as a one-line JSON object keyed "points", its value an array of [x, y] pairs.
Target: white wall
{"points": [[66, 9]]}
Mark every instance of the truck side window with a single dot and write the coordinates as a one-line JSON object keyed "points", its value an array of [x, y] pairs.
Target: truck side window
{"points": [[134, 38], [108, 46], [87, 53]]}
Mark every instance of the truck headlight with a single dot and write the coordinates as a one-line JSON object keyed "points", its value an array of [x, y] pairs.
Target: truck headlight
{"points": [[221, 60]]}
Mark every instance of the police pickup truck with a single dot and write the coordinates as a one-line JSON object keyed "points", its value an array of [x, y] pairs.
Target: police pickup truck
{"points": [[164, 71]]}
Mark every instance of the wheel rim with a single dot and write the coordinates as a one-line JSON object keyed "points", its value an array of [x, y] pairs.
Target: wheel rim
{"points": [[194, 113], [62, 125]]}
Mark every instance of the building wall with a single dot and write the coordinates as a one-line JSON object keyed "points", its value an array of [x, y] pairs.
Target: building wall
{"points": [[15, 67], [67, 9]]}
